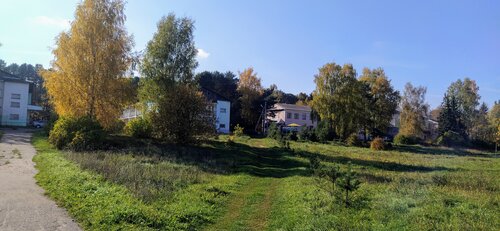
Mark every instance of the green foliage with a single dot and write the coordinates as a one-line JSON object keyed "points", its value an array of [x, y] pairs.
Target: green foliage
{"points": [[238, 131], [348, 183], [183, 116], [405, 140], [178, 112], [78, 134], [139, 128], [353, 140], [172, 50], [339, 98], [273, 131], [466, 94], [413, 112], [324, 131], [306, 134], [383, 100], [116, 127], [450, 117], [451, 138], [377, 144]]}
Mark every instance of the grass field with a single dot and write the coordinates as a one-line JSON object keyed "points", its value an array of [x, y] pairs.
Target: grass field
{"points": [[253, 184]]}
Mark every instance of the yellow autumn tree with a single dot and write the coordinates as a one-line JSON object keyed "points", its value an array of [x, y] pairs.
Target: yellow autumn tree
{"points": [[250, 90], [87, 77]]}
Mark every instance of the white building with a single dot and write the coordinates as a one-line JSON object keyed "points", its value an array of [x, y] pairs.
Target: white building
{"points": [[222, 110], [15, 100]]}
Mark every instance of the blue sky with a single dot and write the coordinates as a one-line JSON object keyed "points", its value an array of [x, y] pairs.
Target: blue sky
{"points": [[430, 43]]}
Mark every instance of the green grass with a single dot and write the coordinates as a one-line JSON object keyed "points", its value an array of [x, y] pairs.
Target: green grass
{"points": [[254, 185]]}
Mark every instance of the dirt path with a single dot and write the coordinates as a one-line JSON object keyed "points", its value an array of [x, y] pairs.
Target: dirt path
{"points": [[249, 209], [23, 205]]}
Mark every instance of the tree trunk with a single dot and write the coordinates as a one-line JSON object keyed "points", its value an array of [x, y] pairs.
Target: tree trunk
{"points": [[346, 198]]}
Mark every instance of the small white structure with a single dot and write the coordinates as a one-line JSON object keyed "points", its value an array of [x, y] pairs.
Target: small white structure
{"points": [[14, 100], [222, 110]]}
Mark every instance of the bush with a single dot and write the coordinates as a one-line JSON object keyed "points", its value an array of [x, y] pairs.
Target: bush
{"points": [[402, 139], [238, 130], [377, 144], [451, 138], [353, 140], [306, 134], [116, 127], [273, 131], [78, 134], [139, 128], [324, 132]]}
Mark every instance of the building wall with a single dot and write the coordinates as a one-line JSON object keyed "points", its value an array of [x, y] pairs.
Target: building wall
{"points": [[282, 115], [222, 116], [8, 111], [1, 99]]}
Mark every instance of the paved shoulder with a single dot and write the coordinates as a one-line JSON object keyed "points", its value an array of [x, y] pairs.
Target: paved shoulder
{"points": [[23, 205]]}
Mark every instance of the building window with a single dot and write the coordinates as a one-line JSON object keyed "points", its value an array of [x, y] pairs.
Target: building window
{"points": [[288, 115], [15, 96], [296, 116], [222, 110], [222, 126], [15, 104], [304, 116], [14, 116]]}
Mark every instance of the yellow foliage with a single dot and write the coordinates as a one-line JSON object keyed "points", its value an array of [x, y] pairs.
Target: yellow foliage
{"points": [[250, 88], [87, 74]]}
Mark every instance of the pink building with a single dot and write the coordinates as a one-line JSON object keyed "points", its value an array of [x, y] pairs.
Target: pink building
{"points": [[291, 114]]}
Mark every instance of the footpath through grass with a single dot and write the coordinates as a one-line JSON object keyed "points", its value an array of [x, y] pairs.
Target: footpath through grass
{"points": [[254, 185]]}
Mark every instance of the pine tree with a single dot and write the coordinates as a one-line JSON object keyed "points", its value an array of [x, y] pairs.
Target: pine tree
{"points": [[450, 118]]}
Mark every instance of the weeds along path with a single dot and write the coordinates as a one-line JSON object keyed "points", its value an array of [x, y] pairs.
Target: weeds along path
{"points": [[249, 208]]}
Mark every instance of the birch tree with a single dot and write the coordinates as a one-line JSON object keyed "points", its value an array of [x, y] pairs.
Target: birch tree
{"points": [[87, 77]]}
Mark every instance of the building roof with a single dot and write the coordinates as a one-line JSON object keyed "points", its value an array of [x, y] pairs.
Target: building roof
{"points": [[6, 76], [285, 106], [213, 96]]}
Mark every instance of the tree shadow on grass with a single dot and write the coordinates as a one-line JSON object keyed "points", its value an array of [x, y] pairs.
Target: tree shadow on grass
{"points": [[219, 157], [382, 165], [224, 158], [417, 149]]}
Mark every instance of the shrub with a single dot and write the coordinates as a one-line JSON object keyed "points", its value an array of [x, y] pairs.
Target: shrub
{"points": [[182, 115], [83, 133], [377, 144], [238, 130], [402, 139], [306, 134], [273, 131], [116, 127], [353, 140], [348, 183], [451, 138], [139, 128], [324, 131]]}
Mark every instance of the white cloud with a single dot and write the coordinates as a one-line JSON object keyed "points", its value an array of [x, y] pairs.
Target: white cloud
{"points": [[52, 22], [202, 54]]}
